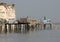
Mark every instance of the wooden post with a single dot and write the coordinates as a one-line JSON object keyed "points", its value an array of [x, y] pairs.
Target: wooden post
{"points": [[9, 28], [15, 29], [19, 27], [0, 28], [5, 29], [44, 26], [50, 26]]}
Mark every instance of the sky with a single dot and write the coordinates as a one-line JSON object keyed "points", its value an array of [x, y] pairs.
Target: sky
{"points": [[37, 9]]}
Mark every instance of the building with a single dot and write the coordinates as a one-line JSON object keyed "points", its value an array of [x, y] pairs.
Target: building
{"points": [[28, 20], [23, 20], [33, 22], [7, 12], [46, 21]]}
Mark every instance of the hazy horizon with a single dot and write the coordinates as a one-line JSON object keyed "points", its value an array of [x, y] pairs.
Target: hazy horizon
{"points": [[37, 9]]}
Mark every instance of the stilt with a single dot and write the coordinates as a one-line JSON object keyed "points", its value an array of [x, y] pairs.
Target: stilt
{"points": [[5, 29], [50, 26], [9, 28], [0, 28], [12, 27], [44, 26], [15, 29]]}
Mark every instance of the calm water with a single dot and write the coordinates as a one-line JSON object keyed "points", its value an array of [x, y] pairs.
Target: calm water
{"points": [[35, 36]]}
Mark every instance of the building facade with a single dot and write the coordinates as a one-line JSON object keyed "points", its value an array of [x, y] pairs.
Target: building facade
{"points": [[7, 11]]}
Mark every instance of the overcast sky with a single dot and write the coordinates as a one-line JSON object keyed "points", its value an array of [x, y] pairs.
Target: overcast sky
{"points": [[37, 9]]}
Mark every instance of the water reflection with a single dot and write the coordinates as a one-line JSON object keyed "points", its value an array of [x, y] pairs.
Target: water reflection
{"points": [[32, 35]]}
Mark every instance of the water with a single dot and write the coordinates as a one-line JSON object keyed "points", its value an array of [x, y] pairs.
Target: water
{"points": [[33, 36]]}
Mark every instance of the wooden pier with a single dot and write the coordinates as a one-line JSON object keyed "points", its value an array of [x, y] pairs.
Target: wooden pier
{"points": [[49, 26], [14, 27]]}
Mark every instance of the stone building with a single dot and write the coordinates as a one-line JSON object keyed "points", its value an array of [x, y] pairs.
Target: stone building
{"points": [[7, 11]]}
